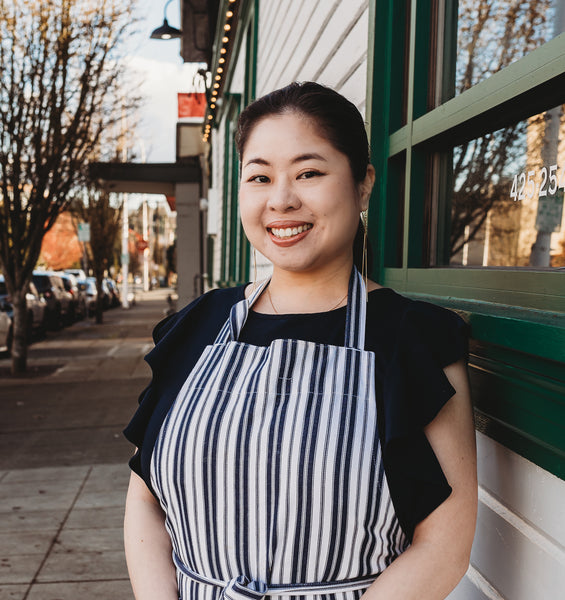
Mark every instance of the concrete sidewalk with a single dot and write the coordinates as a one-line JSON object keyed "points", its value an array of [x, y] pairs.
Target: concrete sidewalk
{"points": [[63, 459]]}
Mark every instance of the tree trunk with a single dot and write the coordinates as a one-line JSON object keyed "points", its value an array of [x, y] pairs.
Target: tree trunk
{"points": [[19, 328]]}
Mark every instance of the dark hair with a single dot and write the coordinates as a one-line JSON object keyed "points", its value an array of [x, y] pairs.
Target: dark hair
{"points": [[339, 120]]}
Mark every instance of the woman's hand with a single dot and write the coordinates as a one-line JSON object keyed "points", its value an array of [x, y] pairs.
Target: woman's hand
{"points": [[148, 545], [439, 555]]}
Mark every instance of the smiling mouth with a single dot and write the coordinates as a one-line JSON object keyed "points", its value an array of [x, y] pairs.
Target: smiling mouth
{"points": [[288, 232]]}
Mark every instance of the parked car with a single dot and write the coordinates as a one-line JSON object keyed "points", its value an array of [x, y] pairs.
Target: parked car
{"points": [[91, 293], [106, 294], [78, 299], [78, 273], [50, 287], [115, 298], [5, 330], [36, 307]]}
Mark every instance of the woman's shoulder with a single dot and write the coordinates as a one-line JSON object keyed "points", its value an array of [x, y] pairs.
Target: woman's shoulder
{"points": [[393, 307], [401, 322]]}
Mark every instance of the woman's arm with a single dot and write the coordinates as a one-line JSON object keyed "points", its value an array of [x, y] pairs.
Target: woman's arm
{"points": [[439, 555], [148, 545]]}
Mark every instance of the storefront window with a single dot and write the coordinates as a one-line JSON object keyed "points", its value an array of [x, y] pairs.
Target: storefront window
{"points": [[507, 200], [492, 34]]}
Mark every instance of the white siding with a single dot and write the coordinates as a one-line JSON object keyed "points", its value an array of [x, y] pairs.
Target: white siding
{"points": [[314, 40], [519, 549], [218, 136], [237, 82]]}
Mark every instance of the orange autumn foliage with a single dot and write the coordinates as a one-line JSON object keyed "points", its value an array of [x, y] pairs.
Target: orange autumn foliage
{"points": [[60, 248]]}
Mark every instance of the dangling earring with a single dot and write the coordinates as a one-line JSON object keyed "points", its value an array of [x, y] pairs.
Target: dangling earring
{"points": [[254, 268], [365, 261]]}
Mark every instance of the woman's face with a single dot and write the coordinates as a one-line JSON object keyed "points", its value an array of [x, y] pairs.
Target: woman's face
{"points": [[299, 202]]}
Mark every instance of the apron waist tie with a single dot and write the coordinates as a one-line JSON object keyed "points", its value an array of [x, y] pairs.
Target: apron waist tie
{"points": [[242, 588]]}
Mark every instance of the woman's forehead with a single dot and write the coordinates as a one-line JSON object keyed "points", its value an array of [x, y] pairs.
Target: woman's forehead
{"points": [[290, 127]]}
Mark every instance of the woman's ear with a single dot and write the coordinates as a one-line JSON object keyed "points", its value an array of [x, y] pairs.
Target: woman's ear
{"points": [[366, 187]]}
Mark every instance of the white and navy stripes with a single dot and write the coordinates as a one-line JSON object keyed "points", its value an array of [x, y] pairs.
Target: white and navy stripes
{"points": [[269, 469]]}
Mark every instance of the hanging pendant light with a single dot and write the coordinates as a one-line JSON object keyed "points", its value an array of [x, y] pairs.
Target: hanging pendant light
{"points": [[166, 32]]}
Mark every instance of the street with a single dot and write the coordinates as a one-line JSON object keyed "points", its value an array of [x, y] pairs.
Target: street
{"points": [[63, 459]]}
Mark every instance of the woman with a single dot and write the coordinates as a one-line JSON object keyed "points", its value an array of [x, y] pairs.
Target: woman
{"points": [[311, 435]]}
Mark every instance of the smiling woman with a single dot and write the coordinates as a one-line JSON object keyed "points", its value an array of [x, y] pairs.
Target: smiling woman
{"points": [[310, 434], [300, 208]]}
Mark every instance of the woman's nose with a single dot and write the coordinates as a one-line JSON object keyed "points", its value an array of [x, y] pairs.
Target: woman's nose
{"points": [[283, 197]]}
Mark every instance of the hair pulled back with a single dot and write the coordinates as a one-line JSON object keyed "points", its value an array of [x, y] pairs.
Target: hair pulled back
{"points": [[338, 119]]}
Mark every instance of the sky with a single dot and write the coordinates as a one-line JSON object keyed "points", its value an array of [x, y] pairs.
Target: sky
{"points": [[161, 73]]}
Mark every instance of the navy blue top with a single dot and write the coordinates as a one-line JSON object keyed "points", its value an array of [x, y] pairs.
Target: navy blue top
{"points": [[412, 342]]}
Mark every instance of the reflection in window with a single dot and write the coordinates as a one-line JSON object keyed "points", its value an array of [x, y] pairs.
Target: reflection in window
{"points": [[495, 33], [507, 201]]}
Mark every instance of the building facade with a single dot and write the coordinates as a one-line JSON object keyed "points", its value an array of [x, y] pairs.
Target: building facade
{"points": [[464, 108]]}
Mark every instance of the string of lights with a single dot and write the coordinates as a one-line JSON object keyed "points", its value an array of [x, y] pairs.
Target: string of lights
{"points": [[220, 69]]}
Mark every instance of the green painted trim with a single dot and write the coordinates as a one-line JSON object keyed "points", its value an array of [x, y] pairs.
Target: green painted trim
{"points": [[504, 98], [534, 332], [522, 409], [235, 238], [399, 140], [517, 370], [382, 46], [210, 245], [394, 225], [449, 57], [542, 290], [398, 64], [230, 234], [440, 253], [422, 51], [533, 83], [407, 245], [225, 205], [416, 238], [517, 317], [252, 42]]}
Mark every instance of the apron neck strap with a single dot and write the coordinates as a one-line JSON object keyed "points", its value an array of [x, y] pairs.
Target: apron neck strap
{"points": [[238, 315], [354, 322], [356, 311]]}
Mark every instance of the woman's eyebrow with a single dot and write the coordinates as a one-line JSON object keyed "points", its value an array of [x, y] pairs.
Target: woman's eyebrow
{"points": [[308, 156], [296, 159], [257, 161]]}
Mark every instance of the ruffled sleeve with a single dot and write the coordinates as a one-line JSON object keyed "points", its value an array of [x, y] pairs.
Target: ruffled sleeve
{"points": [[179, 341], [415, 388], [148, 400]]}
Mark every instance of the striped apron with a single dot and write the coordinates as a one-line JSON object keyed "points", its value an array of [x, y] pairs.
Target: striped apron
{"points": [[268, 468]]}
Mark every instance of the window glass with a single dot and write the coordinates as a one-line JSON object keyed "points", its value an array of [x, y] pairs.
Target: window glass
{"points": [[492, 34], [506, 206]]}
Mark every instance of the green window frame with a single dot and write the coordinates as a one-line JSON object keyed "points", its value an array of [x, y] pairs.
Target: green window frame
{"points": [[517, 316], [236, 250]]}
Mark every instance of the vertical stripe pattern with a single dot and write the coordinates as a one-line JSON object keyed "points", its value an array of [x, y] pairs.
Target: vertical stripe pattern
{"points": [[268, 467]]}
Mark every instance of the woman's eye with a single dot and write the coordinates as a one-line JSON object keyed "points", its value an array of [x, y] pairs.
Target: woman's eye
{"points": [[309, 174], [259, 179]]}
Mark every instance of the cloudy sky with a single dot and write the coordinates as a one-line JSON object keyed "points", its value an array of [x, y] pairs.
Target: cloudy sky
{"points": [[161, 75]]}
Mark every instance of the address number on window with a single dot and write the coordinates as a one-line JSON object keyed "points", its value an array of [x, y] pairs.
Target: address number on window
{"points": [[545, 182]]}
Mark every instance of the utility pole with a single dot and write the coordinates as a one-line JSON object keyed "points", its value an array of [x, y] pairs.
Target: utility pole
{"points": [[125, 220]]}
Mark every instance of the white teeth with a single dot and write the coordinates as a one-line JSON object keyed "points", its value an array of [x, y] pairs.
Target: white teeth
{"points": [[290, 231]]}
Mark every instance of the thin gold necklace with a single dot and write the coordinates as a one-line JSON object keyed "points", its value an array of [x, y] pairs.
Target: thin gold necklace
{"points": [[277, 312]]}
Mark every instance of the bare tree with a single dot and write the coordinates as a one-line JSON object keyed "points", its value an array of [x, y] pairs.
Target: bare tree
{"points": [[60, 74], [104, 219]]}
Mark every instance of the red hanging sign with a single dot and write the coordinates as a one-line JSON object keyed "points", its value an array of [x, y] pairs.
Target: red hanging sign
{"points": [[191, 104]]}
